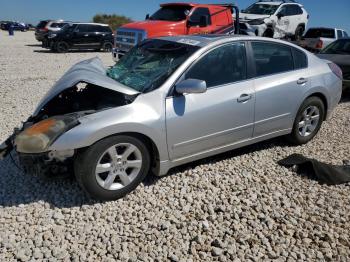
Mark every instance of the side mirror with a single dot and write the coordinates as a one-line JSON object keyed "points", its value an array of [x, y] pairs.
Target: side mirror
{"points": [[147, 16], [204, 21], [280, 15], [191, 86]]}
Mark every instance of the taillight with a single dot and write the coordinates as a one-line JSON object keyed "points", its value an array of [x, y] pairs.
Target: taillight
{"points": [[319, 44], [336, 70]]}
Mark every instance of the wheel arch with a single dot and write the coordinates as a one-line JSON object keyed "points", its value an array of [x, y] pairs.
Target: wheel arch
{"points": [[323, 99]]}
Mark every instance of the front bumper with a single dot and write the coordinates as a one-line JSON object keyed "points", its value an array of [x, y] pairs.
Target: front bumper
{"points": [[41, 165], [252, 30]]}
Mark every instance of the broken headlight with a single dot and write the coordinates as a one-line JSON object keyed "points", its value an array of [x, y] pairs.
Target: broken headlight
{"points": [[257, 22], [38, 137]]}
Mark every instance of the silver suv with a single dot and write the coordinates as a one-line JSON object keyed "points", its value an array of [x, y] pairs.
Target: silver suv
{"points": [[170, 101]]}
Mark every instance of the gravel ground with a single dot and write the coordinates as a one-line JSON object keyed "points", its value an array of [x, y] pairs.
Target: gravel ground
{"points": [[236, 206]]}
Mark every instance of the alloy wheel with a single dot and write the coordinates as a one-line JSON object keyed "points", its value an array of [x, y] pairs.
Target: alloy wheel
{"points": [[309, 121], [118, 166]]}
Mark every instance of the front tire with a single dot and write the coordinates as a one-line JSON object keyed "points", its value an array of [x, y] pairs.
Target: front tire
{"points": [[308, 121], [298, 33], [107, 47], [113, 167], [62, 47]]}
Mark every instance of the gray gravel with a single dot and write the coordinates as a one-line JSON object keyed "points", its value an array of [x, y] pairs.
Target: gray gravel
{"points": [[237, 206]]}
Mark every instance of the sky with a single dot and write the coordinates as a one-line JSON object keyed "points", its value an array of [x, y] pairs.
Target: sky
{"points": [[334, 13]]}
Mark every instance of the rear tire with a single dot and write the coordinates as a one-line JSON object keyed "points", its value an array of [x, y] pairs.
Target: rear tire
{"points": [[308, 121], [106, 170], [268, 33]]}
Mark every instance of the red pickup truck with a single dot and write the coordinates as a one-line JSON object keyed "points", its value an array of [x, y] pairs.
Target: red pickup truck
{"points": [[177, 19]]}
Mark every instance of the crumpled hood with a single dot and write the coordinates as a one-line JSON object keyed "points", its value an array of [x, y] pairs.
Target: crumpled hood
{"points": [[90, 71], [155, 28], [247, 17]]}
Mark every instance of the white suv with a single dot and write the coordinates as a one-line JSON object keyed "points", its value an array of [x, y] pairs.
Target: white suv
{"points": [[276, 19]]}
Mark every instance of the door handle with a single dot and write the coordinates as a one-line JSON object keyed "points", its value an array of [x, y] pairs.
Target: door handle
{"points": [[86, 35], [302, 81], [244, 98]]}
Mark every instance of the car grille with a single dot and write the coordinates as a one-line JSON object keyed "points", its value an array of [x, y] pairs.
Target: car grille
{"points": [[126, 39]]}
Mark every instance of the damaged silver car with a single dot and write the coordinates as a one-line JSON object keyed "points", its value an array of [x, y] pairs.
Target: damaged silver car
{"points": [[170, 101]]}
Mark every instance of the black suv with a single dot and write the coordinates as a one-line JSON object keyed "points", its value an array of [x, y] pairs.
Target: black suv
{"points": [[80, 36]]}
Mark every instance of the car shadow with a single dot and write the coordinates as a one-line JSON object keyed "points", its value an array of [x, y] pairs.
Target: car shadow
{"points": [[279, 141], [69, 52], [34, 45], [18, 188], [345, 97]]}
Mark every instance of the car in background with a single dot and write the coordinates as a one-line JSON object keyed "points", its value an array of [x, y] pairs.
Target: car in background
{"points": [[3, 25], [170, 101], [41, 30], [318, 38], [46, 26], [177, 19], [274, 19], [18, 26], [339, 53], [80, 36]]}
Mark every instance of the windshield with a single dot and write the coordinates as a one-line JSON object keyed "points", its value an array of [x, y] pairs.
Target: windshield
{"points": [[341, 47], [146, 67], [261, 9], [320, 32], [171, 13]]}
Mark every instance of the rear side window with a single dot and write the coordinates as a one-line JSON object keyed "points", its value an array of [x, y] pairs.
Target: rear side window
{"points": [[300, 59], [105, 29], [198, 13], [87, 28], [271, 58], [223, 65]]}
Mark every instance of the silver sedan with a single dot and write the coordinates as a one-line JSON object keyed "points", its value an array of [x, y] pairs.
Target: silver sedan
{"points": [[170, 101]]}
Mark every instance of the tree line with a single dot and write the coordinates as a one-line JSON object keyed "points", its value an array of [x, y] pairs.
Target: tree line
{"points": [[114, 21]]}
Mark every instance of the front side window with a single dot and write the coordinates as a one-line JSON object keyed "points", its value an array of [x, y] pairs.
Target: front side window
{"points": [[261, 9], [223, 65], [147, 66], [271, 58], [345, 34], [198, 13], [172, 13]]}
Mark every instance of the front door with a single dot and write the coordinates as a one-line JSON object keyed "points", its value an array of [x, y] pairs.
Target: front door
{"points": [[282, 24], [195, 27], [223, 115], [84, 36]]}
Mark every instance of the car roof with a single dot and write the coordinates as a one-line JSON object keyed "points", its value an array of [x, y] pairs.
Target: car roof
{"points": [[205, 40], [79, 23]]}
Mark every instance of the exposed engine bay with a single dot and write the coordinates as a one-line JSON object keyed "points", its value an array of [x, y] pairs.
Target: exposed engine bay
{"points": [[83, 99]]}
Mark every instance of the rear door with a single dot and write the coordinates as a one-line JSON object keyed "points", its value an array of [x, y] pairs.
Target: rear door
{"points": [[279, 85], [224, 115]]}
